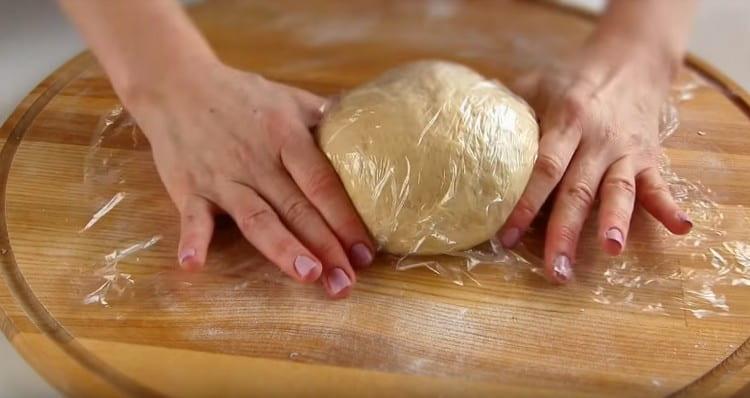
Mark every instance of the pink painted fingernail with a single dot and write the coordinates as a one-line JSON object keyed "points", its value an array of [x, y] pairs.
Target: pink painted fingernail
{"points": [[360, 255], [338, 280], [511, 237], [186, 255], [561, 268], [684, 217], [615, 235], [305, 266]]}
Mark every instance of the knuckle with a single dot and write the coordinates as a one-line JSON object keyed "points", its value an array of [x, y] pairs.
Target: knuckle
{"points": [[525, 208], [610, 135], [327, 246], [659, 188], [566, 234], [281, 248], [635, 141], [549, 166], [642, 106], [581, 194], [297, 210], [243, 154], [198, 178], [618, 216], [621, 185], [652, 154], [351, 226], [191, 180], [574, 106], [322, 183], [255, 219], [256, 79], [189, 218], [192, 238], [553, 82], [277, 123]]}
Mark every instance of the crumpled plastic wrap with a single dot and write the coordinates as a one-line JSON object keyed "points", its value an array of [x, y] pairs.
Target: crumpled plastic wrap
{"points": [[629, 281]]}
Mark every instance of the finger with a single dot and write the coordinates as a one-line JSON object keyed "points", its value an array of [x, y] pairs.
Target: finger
{"points": [[196, 228], [572, 206], [304, 221], [617, 194], [311, 106], [262, 227], [317, 179], [653, 194], [556, 148]]}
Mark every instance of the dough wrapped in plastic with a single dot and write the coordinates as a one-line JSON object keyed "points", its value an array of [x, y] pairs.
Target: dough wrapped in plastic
{"points": [[433, 155]]}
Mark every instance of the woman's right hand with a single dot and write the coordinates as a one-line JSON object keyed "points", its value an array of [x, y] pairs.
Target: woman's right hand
{"points": [[227, 140]]}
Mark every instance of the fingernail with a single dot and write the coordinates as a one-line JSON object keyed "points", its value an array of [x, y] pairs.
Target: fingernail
{"points": [[338, 280], [615, 235], [561, 268], [304, 266], [511, 237], [186, 254], [684, 217], [360, 255]]}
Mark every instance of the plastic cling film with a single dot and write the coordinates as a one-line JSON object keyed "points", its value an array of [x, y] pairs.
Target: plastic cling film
{"points": [[104, 210], [433, 155], [113, 164], [115, 282], [682, 91]]}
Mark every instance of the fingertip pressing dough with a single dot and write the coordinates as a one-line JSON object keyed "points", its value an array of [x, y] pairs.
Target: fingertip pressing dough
{"points": [[433, 155]]}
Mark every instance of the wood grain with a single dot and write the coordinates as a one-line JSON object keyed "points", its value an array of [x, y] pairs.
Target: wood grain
{"points": [[240, 328]]}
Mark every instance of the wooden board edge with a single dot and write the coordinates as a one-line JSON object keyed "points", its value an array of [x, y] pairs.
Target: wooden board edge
{"points": [[730, 88], [61, 370], [14, 130], [43, 92]]}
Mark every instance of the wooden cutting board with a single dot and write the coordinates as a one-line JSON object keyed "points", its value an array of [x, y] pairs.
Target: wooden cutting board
{"points": [[239, 329]]}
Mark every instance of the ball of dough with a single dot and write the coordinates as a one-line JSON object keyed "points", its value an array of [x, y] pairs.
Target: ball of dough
{"points": [[433, 155]]}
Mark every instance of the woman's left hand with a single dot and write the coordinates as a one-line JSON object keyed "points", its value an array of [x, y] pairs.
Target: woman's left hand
{"points": [[599, 137]]}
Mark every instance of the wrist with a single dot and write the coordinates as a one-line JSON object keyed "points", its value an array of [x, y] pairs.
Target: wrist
{"points": [[144, 84], [604, 55], [651, 32]]}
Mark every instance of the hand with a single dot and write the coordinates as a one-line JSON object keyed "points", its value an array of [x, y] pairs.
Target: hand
{"points": [[599, 137], [223, 139]]}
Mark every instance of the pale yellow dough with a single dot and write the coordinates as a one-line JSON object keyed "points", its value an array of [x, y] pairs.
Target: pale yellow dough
{"points": [[433, 155]]}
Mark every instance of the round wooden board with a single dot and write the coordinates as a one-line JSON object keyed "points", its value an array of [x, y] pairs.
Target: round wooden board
{"points": [[240, 329]]}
